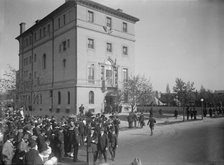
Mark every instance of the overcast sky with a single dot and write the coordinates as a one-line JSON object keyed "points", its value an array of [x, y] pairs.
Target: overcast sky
{"points": [[174, 38]]}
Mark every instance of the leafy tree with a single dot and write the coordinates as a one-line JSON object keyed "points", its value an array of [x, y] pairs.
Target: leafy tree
{"points": [[8, 82], [137, 90], [184, 92]]}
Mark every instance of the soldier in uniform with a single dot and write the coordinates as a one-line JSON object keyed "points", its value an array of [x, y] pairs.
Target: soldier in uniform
{"points": [[151, 124], [75, 142], [59, 138], [92, 140], [112, 143], [102, 145], [141, 120], [116, 123]]}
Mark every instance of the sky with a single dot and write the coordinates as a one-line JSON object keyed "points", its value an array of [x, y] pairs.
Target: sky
{"points": [[174, 38]]}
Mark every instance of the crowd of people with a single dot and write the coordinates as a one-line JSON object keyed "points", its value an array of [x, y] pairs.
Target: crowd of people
{"points": [[32, 140]]}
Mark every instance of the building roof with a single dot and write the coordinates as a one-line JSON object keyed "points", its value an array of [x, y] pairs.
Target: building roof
{"points": [[219, 91], [87, 3]]}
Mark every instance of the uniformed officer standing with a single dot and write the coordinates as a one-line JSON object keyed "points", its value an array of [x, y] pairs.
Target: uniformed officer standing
{"points": [[102, 145], [75, 142], [151, 124], [92, 140], [112, 143]]}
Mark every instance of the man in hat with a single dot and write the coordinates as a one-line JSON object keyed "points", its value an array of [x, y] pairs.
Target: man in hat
{"points": [[59, 138], [75, 142], [112, 143], [151, 123], [92, 140], [32, 156], [102, 145]]}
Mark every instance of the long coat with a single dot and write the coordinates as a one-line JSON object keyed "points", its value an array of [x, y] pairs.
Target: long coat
{"points": [[102, 142], [112, 140], [32, 158], [8, 150], [92, 141]]}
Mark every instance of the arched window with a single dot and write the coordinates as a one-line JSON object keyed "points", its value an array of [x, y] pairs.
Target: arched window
{"points": [[91, 97], [44, 61], [59, 97], [68, 97]]}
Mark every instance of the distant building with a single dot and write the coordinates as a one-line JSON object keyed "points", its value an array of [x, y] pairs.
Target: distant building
{"points": [[78, 54]]}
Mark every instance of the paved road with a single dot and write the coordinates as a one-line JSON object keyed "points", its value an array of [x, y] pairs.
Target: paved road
{"points": [[190, 143], [197, 142]]}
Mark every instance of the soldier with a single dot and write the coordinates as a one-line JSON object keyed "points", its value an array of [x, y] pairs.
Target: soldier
{"points": [[151, 124], [175, 113], [116, 123], [92, 140], [112, 144], [59, 138], [75, 142], [102, 145], [142, 120]]}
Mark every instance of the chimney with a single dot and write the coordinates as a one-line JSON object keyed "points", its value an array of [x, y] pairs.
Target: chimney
{"points": [[22, 27], [37, 21], [120, 10]]}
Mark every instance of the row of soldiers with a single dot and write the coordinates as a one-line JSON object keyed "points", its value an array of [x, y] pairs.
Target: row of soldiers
{"points": [[62, 138]]}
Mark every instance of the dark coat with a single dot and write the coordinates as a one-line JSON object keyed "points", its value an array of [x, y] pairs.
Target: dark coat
{"points": [[112, 140], [92, 142], [32, 158], [102, 142]]}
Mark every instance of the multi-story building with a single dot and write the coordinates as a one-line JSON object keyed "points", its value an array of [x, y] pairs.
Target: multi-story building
{"points": [[78, 54]]}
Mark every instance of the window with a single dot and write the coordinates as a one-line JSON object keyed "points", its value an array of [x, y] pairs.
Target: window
{"points": [[44, 31], [40, 34], [64, 19], [109, 22], [59, 98], [109, 47], [48, 28], [30, 40], [68, 97], [68, 43], [67, 111], [125, 50], [59, 22], [30, 59], [125, 74], [64, 45], [35, 57], [44, 61], [125, 27], [91, 73], [91, 97], [37, 99], [40, 98], [58, 110], [27, 41], [35, 36], [90, 43], [35, 75], [64, 63], [90, 16]]}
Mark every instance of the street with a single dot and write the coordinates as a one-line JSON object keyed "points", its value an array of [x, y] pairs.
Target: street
{"points": [[192, 143], [196, 142]]}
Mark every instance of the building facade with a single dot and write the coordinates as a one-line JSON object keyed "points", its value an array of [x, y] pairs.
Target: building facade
{"points": [[78, 54]]}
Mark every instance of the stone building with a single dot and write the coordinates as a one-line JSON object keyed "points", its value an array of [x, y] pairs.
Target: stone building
{"points": [[78, 54]]}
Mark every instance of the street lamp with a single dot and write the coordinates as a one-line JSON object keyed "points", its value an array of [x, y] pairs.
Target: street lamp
{"points": [[202, 100]]}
